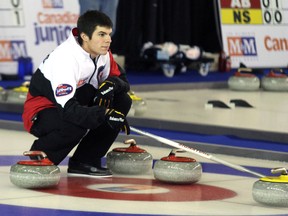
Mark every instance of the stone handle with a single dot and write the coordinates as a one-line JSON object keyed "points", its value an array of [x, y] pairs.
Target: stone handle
{"points": [[35, 153]]}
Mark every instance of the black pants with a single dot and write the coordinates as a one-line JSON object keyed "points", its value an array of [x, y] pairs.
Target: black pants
{"points": [[57, 138]]}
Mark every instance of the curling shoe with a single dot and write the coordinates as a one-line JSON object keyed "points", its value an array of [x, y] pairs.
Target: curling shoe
{"points": [[76, 168]]}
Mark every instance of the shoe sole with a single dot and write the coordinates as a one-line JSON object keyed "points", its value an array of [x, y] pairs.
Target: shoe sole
{"points": [[87, 175]]}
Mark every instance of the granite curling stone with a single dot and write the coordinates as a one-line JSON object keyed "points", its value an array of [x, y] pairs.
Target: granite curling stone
{"points": [[275, 82], [132, 160], [39, 173], [272, 191], [2, 94], [243, 82], [139, 105], [177, 170], [18, 94]]}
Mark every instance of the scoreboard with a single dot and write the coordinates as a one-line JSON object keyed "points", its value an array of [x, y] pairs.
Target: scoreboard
{"points": [[255, 32]]}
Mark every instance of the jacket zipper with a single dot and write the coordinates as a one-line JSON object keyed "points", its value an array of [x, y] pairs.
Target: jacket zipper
{"points": [[95, 64]]}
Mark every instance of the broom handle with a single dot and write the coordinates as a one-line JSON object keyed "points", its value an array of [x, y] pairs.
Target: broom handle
{"points": [[195, 151]]}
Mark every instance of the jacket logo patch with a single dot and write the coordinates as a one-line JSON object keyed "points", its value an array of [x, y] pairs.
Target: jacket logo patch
{"points": [[63, 89]]}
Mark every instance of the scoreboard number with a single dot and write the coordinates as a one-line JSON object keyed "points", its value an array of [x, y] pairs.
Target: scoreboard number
{"points": [[12, 14]]}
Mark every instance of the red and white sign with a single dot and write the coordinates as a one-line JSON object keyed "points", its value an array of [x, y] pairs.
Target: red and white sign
{"points": [[255, 32]]}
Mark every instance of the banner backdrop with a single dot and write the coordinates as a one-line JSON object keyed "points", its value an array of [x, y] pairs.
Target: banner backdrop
{"points": [[255, 32], [33, 28]]}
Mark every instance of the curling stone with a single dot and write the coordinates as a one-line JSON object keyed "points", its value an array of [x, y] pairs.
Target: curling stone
{"points": [[2, 94], [243, 82], [40, 173], [273, 190], [18, 94], [139, 105], [177, 170], [275, 82], [132, 160]]}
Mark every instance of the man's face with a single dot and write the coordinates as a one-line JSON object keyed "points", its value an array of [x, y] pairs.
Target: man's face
{"points": [[100, 42]]}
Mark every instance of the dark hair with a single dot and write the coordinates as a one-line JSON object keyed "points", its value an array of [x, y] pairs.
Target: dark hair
{"points": [[88, 22]]}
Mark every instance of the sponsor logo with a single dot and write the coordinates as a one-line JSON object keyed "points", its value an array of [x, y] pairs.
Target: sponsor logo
{"points": [[63, 89], [52, 3], [276, 44], [116, 119], [57, 18], [242, 46], [12, 50], [56, 34], [52, 27], [107, 90]]}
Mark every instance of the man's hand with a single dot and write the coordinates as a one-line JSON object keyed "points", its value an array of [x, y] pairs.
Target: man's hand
{"points": [[105, 94], [117, 121]]}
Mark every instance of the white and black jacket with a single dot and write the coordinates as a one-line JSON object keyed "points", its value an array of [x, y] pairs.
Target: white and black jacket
{"points": [[63, 71]]}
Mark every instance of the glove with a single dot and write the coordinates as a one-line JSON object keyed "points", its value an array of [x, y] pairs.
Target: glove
{"points": [[117, 121], [105, 94]]}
